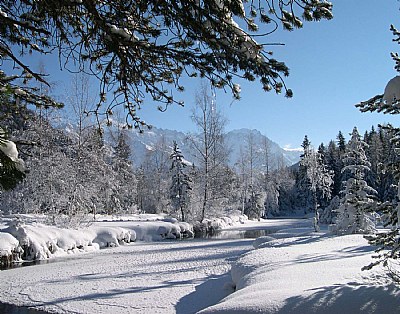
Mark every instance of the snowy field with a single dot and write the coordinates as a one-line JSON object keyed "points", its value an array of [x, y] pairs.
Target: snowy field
{"points": [[309, 273], [291, 271]]}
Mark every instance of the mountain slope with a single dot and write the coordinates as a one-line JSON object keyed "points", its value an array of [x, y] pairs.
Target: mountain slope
{"points": [[235, 140]]}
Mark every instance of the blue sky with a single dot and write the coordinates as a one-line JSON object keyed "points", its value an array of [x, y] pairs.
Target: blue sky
{"points": [[333, 65]]}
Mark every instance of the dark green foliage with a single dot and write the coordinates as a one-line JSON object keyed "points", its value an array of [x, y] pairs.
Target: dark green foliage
{"points": [[10, 176], [181, 183], [138, 49], [388, 242]]}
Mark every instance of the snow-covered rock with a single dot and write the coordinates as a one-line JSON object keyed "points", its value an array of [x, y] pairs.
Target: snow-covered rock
{"points": [[40, 241]]}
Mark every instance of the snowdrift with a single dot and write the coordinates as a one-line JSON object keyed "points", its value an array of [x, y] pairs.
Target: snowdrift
{"points": [[27, 237], [299, 271], [39, 241], [210, 226]]}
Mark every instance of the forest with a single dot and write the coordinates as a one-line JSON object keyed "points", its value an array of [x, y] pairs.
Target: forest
{"points": [[71, 184]]}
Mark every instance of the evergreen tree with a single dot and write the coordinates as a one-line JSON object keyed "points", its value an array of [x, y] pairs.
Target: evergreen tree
{"points": [[388, 102], [334, 163], [124, 189], [318, 179], [165, 41], [12, 169], [304, 194], [180, 185], [357, 201], [341, 142]]}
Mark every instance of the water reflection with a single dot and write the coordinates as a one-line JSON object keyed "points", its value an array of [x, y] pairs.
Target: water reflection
{"points": [[238, 234], [13, 309], [23, 264]]}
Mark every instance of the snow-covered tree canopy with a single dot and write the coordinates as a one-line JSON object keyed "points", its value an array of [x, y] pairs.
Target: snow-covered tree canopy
{"points": [[12, 168], [139, 49]]}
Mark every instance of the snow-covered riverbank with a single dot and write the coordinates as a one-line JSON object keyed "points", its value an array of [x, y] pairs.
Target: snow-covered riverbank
{"points": [[296, 271], [152, 277]]}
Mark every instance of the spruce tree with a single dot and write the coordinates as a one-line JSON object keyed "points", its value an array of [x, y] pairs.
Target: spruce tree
{"points": [[388, 102], [180, 185], [319, 181], [124, 189], [357, 200], [334, 163], [12, 169], [136, 48], [341, 142], [304, 194]]}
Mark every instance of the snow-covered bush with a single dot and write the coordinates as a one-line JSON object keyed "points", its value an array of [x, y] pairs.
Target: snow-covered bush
{"points": [[328, 214], [41, 242], [10, 250], [210, 226], [112, 236]]}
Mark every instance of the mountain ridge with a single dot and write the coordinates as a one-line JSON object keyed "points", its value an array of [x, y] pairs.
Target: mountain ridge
{"points": [[235, 140]]}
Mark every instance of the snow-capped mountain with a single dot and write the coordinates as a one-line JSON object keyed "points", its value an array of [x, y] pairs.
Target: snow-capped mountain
{"points": [[162, 139], [236, 141]]}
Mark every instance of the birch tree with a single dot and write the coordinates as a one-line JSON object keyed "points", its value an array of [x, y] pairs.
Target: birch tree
{"points": [[208, 148]]}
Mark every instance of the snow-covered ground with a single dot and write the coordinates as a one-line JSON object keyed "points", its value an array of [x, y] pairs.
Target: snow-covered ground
{"points": [[291, 271], [299, 271], [142, 277]]}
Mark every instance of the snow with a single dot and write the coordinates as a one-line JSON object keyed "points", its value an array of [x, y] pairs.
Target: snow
{"points": [[221, 223], [8, 244], [293, 270], [142, 277], [124, 33], [10, 149], [153, 230], [306, 272], [41, 241], [392, 91]]}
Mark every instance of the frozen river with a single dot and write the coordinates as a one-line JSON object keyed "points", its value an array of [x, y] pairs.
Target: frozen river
{"points": [[161, 277], [142, 277]]}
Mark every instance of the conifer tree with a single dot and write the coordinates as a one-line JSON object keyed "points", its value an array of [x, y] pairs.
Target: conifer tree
{"points": [[128, 45], [180, 185], [139, 49], [341, 142], [388, 102], [357, 200], [317, 177], [124, 189], [305, 195], [334, 163], [12, 169]]}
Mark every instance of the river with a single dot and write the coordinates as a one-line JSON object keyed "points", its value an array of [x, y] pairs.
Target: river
{"points": [[143, 277]]}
